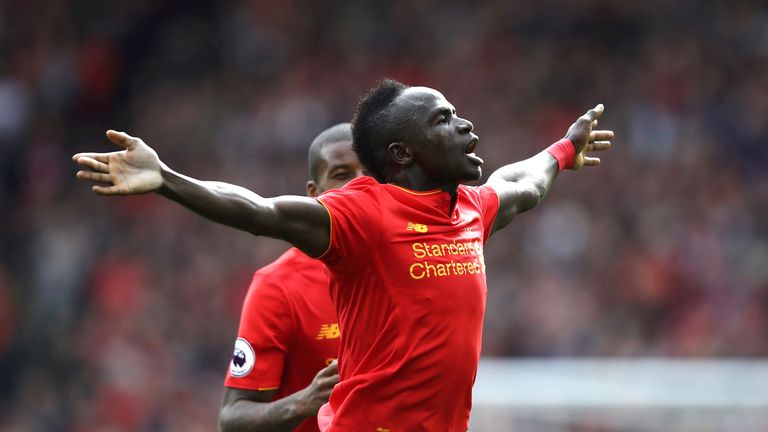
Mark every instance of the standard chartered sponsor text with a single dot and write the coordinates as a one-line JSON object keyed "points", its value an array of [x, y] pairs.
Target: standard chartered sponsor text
{"points": [[425, 268]]}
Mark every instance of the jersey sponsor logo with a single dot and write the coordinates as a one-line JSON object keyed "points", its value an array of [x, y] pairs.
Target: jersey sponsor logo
{"points": [[329, 331], [464, 259], [243, 359], [420, 228]]}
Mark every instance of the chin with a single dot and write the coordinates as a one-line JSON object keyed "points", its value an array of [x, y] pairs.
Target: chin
{"points": [[461, 174], [472, 175]]}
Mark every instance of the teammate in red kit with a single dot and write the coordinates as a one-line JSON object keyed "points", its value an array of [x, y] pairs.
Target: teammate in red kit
{"points": [[288, 326], [404, 246]]}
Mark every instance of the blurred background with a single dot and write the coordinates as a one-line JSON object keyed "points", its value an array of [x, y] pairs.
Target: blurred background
{"points": [[119, 314]]}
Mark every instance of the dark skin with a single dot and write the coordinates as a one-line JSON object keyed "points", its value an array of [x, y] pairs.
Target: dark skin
{"points": [[255, 410], [438, 153], [337, 165], [434, 154]]}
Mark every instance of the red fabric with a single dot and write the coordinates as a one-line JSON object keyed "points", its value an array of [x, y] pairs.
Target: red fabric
{"points": [[289, 322], [408, 282], [564, 152]]}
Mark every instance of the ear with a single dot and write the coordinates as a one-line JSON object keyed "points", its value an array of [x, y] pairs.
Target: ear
{"points": [[311, 189], [401, 154]]}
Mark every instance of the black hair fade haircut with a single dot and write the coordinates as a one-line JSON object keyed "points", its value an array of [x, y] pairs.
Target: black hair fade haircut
{"points": [[371, 129]]}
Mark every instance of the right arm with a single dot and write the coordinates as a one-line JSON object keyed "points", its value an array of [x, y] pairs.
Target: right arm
{"points": [[137, 169], [249, 410]]}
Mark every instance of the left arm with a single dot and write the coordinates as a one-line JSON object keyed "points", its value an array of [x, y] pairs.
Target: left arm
{"points": [[250, 410], [522, 185]]}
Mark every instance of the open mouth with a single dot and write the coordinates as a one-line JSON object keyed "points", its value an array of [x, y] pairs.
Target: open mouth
{"points": [[470, 152], [471, 146]]}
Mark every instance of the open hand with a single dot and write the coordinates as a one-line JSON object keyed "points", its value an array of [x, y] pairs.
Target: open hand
{"points": [[135, 170], [585, 139]]}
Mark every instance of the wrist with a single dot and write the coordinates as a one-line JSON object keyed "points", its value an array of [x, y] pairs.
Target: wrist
{"points": [[301, 406], [167, 177], [564, 152]]}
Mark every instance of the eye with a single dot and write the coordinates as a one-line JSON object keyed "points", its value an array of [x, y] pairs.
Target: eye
{"points": [[442, 120], [342, 175]]}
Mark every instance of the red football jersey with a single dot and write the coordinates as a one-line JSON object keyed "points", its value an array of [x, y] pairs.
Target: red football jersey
{"points": [[408, 283], [288, 329]]}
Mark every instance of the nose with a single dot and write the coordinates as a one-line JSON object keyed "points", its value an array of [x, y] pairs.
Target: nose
{"points": [[465, 126]]}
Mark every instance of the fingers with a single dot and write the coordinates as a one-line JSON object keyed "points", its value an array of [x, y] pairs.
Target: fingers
{"points": [[122, 139], [591, 161], [598, 145], [595, 113], [329, 382], [106, 190], [94, 176], [101, 157], [601, 135], [93, 164], [328, 377], [331, 369]]}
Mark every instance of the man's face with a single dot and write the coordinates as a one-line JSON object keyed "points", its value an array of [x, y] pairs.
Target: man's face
{"points": [[442, 143], [338, 165]]}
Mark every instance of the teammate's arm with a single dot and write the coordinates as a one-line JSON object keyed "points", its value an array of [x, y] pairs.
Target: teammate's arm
{"points": [[248, 410], [522, 185], [137, 169]]}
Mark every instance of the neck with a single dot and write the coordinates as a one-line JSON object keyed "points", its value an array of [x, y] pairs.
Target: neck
{"points": [[415, 179]]}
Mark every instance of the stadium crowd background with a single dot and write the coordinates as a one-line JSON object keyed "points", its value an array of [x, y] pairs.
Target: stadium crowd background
{"points": [[119, 314]]}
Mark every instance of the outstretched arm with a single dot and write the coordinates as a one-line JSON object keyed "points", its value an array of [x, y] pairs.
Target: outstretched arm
{"points": [[137, 169], [246, 410], [522, 185]]}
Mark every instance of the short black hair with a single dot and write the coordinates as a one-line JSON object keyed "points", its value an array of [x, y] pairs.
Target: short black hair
{"points": [[338, 133], [371, 127]]}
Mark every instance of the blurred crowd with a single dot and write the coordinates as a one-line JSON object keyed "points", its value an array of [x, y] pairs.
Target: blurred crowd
{"points": [[119, 314]]}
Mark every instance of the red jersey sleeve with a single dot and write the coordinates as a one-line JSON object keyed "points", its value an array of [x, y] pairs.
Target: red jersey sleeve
{"points": [[266, 324], [487, 201], [355, 223]]}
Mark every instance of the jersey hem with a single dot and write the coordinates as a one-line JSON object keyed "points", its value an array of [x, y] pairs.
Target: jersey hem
{"points": [[245, 386]]}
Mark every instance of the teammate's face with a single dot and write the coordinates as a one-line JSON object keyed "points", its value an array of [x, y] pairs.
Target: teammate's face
{"points": [[338, 165], [441, 142]]}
